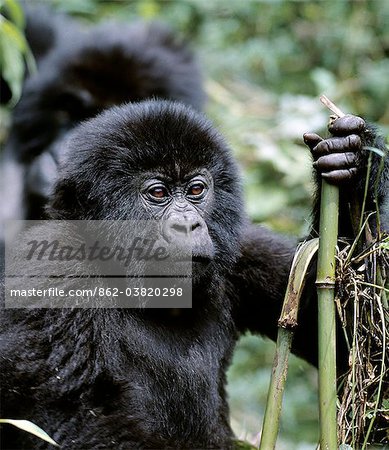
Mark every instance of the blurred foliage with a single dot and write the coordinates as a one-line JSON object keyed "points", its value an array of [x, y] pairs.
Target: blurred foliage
{"points": [[265, 64], [248, 380], [14, 51]]}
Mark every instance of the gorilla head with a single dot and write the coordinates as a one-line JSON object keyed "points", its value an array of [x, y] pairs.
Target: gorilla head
{"points": [[155, 160]]}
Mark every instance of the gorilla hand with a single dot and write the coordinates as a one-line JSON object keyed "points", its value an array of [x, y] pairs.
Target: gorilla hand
{"points": [[337, 157]]}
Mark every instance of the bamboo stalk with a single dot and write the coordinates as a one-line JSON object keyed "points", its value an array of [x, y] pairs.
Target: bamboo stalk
{"points": [[271, 419], [286, 326], [325, 283]]}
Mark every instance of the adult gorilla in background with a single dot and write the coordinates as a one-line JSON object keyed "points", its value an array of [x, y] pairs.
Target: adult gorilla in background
{"points": [[150, 378], [81, 72]]}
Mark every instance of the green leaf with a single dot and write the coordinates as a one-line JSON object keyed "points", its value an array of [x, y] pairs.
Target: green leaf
{"points": [[15, 11], [11, 61], [14, 34], [296, 282], [30, 427]]}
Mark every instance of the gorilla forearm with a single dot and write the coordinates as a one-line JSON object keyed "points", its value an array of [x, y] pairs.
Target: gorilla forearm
{"points": [[377, 198], [262, 272], [345, 159], [260, 278]]}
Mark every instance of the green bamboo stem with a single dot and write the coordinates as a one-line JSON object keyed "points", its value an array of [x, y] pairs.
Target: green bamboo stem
{"points": [[276, 389], [325, 283], [286, 326]]}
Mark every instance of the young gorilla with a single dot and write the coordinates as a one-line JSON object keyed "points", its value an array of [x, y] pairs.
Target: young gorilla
{"points": [[151, 378]]}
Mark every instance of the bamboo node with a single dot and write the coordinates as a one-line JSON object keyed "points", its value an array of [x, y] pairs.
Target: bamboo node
{"points": [[288, 323], [325, 284]]}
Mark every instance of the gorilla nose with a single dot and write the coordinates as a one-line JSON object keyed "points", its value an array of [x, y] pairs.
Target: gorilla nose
{"points": [[189, 233], [183, 228]]}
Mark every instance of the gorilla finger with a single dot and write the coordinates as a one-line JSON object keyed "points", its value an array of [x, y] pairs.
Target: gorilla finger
{"points": [[336, 161], [338, 145], [340, 176], [311, 139], [347, 124]]}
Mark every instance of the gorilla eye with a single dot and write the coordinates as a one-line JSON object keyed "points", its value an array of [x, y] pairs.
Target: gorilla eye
{"points": [[158, 192], [196, 189]]}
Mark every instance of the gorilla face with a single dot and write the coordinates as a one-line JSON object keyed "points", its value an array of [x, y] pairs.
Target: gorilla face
{"points": [[155, 160], [180, 206]]}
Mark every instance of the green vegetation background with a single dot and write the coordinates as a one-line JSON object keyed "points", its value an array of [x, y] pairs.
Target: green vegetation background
{"points": [[264, 65]]}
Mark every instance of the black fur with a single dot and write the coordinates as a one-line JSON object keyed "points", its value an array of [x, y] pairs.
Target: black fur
{"points": [[151, 378], [131, 378], [99, 68]]}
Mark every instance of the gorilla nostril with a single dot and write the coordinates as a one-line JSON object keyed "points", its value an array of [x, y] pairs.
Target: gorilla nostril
{"points": [[195, 225], [184, 227], [180, 228]]}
